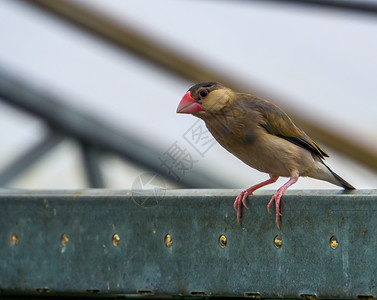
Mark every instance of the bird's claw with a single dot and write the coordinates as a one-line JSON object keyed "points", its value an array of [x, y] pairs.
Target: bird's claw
{"points": [[270, 204], [245, 205], [239, 202], [277, 224], [276, 197]]}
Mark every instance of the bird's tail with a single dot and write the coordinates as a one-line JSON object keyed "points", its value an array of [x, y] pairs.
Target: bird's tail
{"points": [[339, 180]]}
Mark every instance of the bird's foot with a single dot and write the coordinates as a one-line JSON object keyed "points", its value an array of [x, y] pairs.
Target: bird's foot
{"points": [[241, 201], [242, 197], [276, 197]]}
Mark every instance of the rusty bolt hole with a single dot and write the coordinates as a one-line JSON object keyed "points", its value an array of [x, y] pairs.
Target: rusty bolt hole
{"points": [[145, 292], [278, 241], [222, 241], [14, 239], [64, 239], [334, 242], [308, 296], [168, 240], [252, 295], [116, 240]]}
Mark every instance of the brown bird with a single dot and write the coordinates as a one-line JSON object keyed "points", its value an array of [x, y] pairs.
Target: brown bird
{"points": [[261, 135]]}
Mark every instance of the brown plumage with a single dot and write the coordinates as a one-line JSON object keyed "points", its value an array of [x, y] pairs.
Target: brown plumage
{"points": [[261, 135]]}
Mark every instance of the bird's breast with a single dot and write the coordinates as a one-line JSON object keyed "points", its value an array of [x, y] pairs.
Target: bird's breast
{"points": [[242, 143], [263, 151]]}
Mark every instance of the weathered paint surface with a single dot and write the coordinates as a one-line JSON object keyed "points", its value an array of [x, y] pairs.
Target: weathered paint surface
{"points": [[90, 260]]}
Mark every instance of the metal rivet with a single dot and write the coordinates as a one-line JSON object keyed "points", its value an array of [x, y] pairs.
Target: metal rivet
{"points": [[278, 242], [64, 239], [222, 241], [168, 240], [334, 242], [14, 239], [116, 240]]}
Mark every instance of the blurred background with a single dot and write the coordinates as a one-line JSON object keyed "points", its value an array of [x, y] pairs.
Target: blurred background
{"points": [[89, 89]]}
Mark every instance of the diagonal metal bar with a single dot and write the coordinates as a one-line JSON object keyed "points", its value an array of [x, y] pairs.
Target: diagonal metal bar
{"points": [[359, 6], [126, 38], [30, 157], [94, 133], [91, 157]]}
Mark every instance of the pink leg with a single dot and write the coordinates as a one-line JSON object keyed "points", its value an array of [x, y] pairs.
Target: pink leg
{"points": [[277, 197], [241, 198]]}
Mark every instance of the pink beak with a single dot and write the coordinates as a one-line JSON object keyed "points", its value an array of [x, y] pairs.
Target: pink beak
{"points": [[188, 105]]}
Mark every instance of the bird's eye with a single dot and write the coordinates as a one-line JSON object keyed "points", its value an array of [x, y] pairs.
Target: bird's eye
{"points": [[203, 94]]}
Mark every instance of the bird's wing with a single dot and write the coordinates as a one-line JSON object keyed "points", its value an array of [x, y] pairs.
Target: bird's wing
{"points": [[278, 123]]}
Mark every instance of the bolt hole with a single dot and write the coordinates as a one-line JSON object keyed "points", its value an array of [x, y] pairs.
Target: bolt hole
{"points": [[222, 241], [168, 240], [198, 294], [14, 239], [334, 242], [252, 295], [64, 239], [116, 240], [308, 296], [145, 292], [93, 291], [278, 241]]}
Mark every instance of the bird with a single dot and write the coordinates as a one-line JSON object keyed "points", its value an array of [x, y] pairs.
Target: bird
{"points": [[261, 135]]}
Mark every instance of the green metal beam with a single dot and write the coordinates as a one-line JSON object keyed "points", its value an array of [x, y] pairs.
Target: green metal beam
{"points": [[64, 243]]}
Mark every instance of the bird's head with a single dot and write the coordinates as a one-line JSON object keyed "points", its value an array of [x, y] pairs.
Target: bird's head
{"points": [[204, 98]]}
